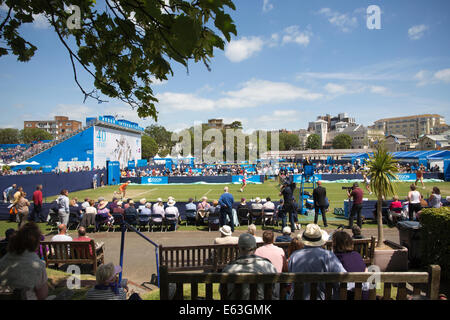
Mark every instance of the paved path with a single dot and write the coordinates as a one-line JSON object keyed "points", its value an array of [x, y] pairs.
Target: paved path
{"points": [[139, 256]]}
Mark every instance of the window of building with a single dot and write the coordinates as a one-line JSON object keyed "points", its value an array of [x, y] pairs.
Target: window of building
{"points": [[68, 124], [29, 125]]}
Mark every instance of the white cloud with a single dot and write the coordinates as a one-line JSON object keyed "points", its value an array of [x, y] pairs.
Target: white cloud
{"points": [[443, 75], [239, 50], [344, 21], [73, 111], [335, 88], [277, 116], [423, 76], [378, 89], [182, 101], [157, 82], [354, 88], [259, 92], [293, 34], [40, 21], [267, 6], [417, 32]]}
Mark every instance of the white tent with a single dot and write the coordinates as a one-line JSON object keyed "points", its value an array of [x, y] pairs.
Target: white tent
{"points": [[24, 163], [12, 164], [34, 163]]}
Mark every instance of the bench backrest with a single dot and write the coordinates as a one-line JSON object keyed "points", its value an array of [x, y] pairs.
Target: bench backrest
{"points": [[77, 252], [300, 280], [216, 256]]}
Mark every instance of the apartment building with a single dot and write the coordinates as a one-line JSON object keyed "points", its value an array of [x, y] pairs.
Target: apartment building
{"points": [[58, 127], [411, 127]]}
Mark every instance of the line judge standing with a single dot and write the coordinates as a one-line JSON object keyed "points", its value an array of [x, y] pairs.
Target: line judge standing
{"points": [[320, 203], [226, 202]]}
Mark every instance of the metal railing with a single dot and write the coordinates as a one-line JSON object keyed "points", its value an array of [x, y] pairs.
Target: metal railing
{"points": [[124, 226]]}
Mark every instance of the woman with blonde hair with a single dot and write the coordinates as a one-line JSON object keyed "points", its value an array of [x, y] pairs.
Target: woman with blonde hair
{"points": [[23, 210]]}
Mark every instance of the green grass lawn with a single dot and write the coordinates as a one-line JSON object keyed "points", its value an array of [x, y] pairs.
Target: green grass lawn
{"points": [[213, 191]]}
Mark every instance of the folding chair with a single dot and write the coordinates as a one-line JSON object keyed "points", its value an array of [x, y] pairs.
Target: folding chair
{"points": [[156, 219], [74, 220], [243, 215], [53, 219], [170, 218], [118, 219], [256, 214], [131, 219], [143, 220], [214, 220], [267, 215], [191, 216]]}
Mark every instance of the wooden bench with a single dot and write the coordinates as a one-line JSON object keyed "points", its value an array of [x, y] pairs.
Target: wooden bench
{"points": [[215, 257], [72, 252], [402, 280]]}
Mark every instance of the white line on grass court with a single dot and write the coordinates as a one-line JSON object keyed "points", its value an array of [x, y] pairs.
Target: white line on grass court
{"points": [[148, 191], [207, 193]]}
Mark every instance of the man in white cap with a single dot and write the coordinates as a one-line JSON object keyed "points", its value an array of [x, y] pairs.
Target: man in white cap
{"points": [[248, 262], [286, 237], [313, 258], [226, 236]]}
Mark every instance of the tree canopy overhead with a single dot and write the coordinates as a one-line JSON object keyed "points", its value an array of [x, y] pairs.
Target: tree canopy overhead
{"points": [[124, 45]]}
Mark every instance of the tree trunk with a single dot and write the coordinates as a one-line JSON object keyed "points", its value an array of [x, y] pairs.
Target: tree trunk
{"points": [[380, 221]]}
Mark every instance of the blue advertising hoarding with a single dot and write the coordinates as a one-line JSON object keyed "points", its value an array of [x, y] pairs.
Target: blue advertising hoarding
{"points": [[154, 180], [253, 179]]}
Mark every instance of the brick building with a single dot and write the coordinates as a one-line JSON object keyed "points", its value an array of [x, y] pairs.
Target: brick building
{"points": [[58, 127]]}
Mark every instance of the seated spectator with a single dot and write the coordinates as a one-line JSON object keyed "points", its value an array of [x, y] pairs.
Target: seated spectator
{"points": [[252, 230], [147, 210], [226, 236], [89, 216], [171, 209], [395, 204], [119, 208], [350, 259], [85, 204], [243, 204], [104, 214], [435, 198], [248, 262], [257, 205], [294, 245], [107, 284], [215, 206], [31, 277], [82, 237], [62, 234], [313, 258], [286, 236], [268, 205], [203, 205], [273, 253], [113, 204], [142, 203], [191, 205], [158, 208], [356, 232], [4, 243], [75, 209]]}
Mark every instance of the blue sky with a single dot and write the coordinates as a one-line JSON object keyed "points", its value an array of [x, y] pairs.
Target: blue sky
{"points": [[290, 62]]}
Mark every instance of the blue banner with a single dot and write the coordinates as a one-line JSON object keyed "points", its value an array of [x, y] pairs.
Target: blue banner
{"points": [[297, 178], [254, 179], [154, 180], [406, 176], [142, 163], [131, 164]]}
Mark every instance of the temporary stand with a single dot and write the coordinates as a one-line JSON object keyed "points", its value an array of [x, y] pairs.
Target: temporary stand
{"points": [[307, 177]]}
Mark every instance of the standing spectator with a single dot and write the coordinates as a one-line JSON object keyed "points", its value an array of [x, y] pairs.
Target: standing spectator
{"points": [[226, 236], [357, 194], [435, 198], [320, 203], [226, 202], [273, 253], [62, 234], [287, 193], [63, 207], [281, 214], [23, 210], [414, 202], [17, 195], [94, 181], [31, 276], [8, 193], [248, 262], [313, 258], [286, 237], [350, 259]]}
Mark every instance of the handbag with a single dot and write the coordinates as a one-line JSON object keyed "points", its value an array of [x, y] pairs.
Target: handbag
{"points": [[13, 211]]}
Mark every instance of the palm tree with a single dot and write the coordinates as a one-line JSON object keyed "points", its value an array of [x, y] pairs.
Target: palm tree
{"points": [[382, 171]]}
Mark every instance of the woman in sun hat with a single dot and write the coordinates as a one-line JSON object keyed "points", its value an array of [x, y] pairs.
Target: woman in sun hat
{"points": [[314, 258], [171, 209], [104, 216]]}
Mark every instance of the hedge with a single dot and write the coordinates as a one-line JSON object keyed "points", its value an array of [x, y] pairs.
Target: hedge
{"points": [[435, 238]]}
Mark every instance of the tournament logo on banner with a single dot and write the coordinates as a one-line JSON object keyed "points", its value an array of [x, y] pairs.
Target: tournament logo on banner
{"points": [[154, 180]]}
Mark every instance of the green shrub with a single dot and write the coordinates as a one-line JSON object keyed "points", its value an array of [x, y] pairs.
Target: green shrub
{"points": [[435, 238]]}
